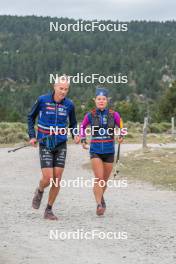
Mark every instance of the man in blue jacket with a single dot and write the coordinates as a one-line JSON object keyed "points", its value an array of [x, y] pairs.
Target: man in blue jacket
{"points": [[53, 111]]}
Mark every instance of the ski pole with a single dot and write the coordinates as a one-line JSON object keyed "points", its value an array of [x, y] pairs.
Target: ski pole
{"points": [[117, 164], [27, 145], [15, 149]]}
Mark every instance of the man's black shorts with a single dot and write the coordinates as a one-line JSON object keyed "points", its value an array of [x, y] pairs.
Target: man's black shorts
{"points": [[53, 158], [109, 158]]}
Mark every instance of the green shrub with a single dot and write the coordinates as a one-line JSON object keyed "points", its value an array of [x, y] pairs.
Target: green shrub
{"points": [[12, 132], [159, 127]]}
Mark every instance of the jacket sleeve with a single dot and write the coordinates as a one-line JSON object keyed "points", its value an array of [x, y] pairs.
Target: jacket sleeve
{"points": [[32, 117], [83, 126], [118, 120], [73, 121]]}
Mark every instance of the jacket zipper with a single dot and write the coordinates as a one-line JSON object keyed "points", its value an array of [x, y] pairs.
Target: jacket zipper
{"points": [[101, 122], [55, 123]]}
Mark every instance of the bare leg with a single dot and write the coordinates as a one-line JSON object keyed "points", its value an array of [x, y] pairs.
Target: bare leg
{"points": [[47, 174], [107, 172], [97, 166], [54, 190]]}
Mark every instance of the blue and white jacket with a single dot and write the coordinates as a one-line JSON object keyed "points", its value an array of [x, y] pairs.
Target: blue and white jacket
{"points": [[51, 114]]}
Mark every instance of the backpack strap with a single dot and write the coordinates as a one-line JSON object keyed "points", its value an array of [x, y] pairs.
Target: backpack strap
{"points": [[95, 117], [111, 112], [111, 120], [93, 112]]}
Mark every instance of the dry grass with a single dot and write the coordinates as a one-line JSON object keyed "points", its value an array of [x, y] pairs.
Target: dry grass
{"points": [[157, 166]]}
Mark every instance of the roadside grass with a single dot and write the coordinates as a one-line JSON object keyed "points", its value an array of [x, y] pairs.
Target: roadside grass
{"points": [[157, 166], [137, 138], [12, 133]]}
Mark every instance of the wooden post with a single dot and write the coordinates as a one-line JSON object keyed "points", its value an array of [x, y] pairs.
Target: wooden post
{"points": [[173, 126], [145, 132]]}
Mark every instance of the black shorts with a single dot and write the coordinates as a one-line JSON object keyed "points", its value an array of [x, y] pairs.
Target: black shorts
{"points": [[109, 158], [53, 158]]}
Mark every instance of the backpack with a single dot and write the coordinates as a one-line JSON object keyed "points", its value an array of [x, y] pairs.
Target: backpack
{"points": [[110, 121]]}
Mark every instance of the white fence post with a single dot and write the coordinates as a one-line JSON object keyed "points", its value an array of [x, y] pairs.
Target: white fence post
{"points": [[145, 132], [173, 126]]}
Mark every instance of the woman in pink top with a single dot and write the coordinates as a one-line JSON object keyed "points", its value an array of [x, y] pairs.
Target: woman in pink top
{"points": [[102, 145]]}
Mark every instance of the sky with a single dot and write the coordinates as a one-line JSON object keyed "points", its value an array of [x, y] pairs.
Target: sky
{"points": [[122, 10]]}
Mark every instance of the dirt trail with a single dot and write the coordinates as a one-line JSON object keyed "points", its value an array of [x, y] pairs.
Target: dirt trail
{"points": [[147, 214]]}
